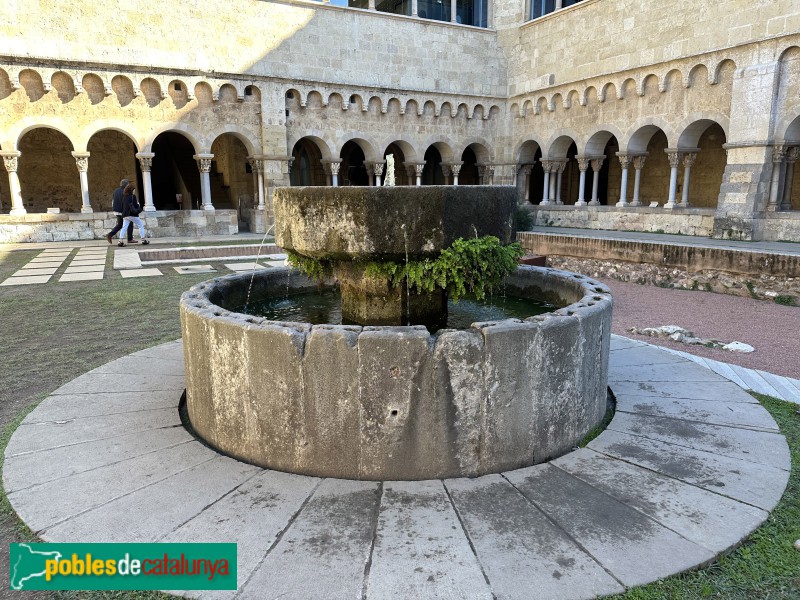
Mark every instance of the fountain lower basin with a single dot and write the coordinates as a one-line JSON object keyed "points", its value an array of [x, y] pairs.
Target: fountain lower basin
{"points": [[396, 403]]}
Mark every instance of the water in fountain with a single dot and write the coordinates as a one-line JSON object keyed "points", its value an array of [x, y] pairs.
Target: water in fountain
{"points": [[255, 266]]}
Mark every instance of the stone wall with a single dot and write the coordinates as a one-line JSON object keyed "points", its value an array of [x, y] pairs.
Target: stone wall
{"points": [[94, 226], [691, 221]]}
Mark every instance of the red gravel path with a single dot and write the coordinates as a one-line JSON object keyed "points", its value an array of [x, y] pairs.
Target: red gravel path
{"points": [[772, 329]]}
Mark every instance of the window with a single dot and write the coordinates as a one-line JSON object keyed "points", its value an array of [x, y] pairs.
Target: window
{"points": [[472, 12], [438, 10], [539, 8], [396, 7]]}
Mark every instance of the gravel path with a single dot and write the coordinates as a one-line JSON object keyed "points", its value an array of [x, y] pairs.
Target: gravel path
{"points": [[772, 329]]}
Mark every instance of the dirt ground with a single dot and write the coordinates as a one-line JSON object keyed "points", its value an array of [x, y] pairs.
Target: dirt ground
{"points": [[772, 329]]}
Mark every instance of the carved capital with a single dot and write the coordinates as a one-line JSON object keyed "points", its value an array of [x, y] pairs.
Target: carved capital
{"points": [[689, 159], [624, 159], [778, 154], [10, 160], [334, 166], [638, 162], [81, 161], [674, 158], [445, 169], [378, 169], [597, 163], [257, 163], [456, 169], [204, 162], [560, 165], [793, 154], [583, 163], [418, 169], [146, 161], [547, 165]]}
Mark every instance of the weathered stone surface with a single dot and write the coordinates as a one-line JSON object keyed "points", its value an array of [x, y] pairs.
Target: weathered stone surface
{"points": [[634, 548], [441, 564], [753, 483], [519, 548], [326, 548], [698, 515]]}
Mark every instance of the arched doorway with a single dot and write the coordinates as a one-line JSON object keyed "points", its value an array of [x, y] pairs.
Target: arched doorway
{"points": [[112, 158], [47, 172], [469, 174], [432, 172], [174, 172], [400, 173], [231, 176], [307, 164], [709, 164], [531, 172], [654, 186], [353, 171]]}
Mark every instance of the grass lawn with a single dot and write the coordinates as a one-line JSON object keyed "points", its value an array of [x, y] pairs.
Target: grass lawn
{"points": [[53, 332]]}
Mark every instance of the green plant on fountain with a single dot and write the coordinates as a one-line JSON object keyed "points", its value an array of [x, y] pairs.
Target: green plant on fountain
{"points": [[468, 267]]}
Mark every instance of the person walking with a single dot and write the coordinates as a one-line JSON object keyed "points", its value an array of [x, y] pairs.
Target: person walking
{"points": [[116, 207], [130, 214]]}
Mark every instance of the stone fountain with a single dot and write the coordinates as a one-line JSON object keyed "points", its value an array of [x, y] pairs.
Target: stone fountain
{"points": [[382, 400]]}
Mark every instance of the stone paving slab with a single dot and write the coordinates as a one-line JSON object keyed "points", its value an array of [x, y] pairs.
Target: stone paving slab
{"points": [[713, 412], [632, 547], [189, 269], [51, 434], [82, 262], [700, 516], [96, 487], [326, 548], [39, 467], [420, 549], [253, 516], [522, 552], [29, 280], [127, 274], [250, 266], [81, 406], [725, 390], [763, 447], [631, 508], [84, 269], [748, 482], [646, 373], [142, 521], [30, 271], [81, 276], [45, 262]]}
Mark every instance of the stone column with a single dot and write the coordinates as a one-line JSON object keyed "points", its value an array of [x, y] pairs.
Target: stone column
{"points": [[638, 165], [418, 169], [146, 164], [204, 164], [625, 162], [547, 165], [674, 157], [10, 161], [446, 170], [792, 156], [560, 166], [456, 170], [775, 196], [583, 165], [257, 164], [82, 162], [453, 7], [371, 5], [688, 161], [326, 168], [559, 4], [335, 164], [378, 170], [526, 181], [414, 8], [369, 165], [597, 164], [490, 173]]}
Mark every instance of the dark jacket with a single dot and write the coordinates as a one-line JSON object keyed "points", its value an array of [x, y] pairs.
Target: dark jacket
{"points": [[130, 206], [116, 203]]}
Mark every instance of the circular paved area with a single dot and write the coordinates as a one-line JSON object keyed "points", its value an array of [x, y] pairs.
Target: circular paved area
{"points": [[688, 467]]}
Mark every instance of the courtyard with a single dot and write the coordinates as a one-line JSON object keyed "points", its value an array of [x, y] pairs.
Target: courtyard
{"points": [[76, 326]]}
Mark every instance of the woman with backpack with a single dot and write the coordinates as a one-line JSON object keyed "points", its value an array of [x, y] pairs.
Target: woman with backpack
{"points": [[130, 214]]}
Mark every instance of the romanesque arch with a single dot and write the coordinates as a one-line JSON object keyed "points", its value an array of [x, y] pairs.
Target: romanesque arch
{"points": [[650, 142], [702, 142], [307, 158], [175, 171], [47, 171], [112, 157], [531, 173], [231, 175]]}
